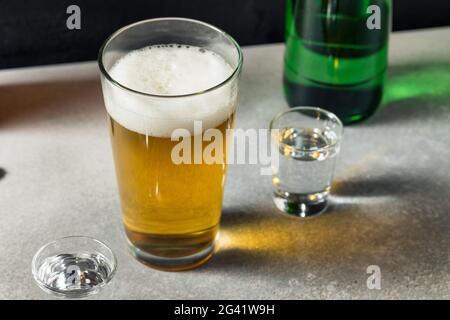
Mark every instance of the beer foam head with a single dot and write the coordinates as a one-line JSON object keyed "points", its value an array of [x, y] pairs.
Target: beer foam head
{"points": [[170, 70]]}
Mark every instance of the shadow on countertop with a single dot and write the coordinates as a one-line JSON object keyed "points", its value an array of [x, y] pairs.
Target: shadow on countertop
{"points": [[370, 228], [29, 104], [399, 186], [333, 249], [2, 173]]}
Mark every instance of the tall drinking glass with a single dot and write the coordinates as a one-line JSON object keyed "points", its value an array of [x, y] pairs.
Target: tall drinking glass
{"points": [[171, 209]]}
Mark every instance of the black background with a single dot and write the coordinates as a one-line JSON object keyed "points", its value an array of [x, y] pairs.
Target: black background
{"points": [[34, 32]]}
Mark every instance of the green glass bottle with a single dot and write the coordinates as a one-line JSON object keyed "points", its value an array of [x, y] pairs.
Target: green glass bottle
{"points": [[336, 55]]}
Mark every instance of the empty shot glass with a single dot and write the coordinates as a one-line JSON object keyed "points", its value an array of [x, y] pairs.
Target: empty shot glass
{"points": [[308, 141]]}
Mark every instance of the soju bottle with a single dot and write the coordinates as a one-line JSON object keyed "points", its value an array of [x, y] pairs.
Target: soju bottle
{"points": [[336, 55]]}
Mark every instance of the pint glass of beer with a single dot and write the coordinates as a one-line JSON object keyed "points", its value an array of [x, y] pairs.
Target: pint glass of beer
{"points": [[161, 77]]}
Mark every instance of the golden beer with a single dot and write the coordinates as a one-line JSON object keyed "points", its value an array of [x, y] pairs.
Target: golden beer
{"points": [[169, 210], [160, 76]]}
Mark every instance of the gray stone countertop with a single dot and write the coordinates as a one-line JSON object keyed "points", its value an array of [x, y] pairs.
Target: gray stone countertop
{"points": [[391, 192]]}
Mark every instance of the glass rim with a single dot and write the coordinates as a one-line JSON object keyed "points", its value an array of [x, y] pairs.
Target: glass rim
{"points": [[330, 115], [35, 269], [106, 74]]}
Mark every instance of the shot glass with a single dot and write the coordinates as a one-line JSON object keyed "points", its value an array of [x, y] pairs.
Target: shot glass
{"points": [[308, 140], [74, 266]]}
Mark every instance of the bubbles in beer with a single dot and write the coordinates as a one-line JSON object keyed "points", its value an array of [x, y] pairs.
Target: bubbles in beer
{"points": [[170, 70]]}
